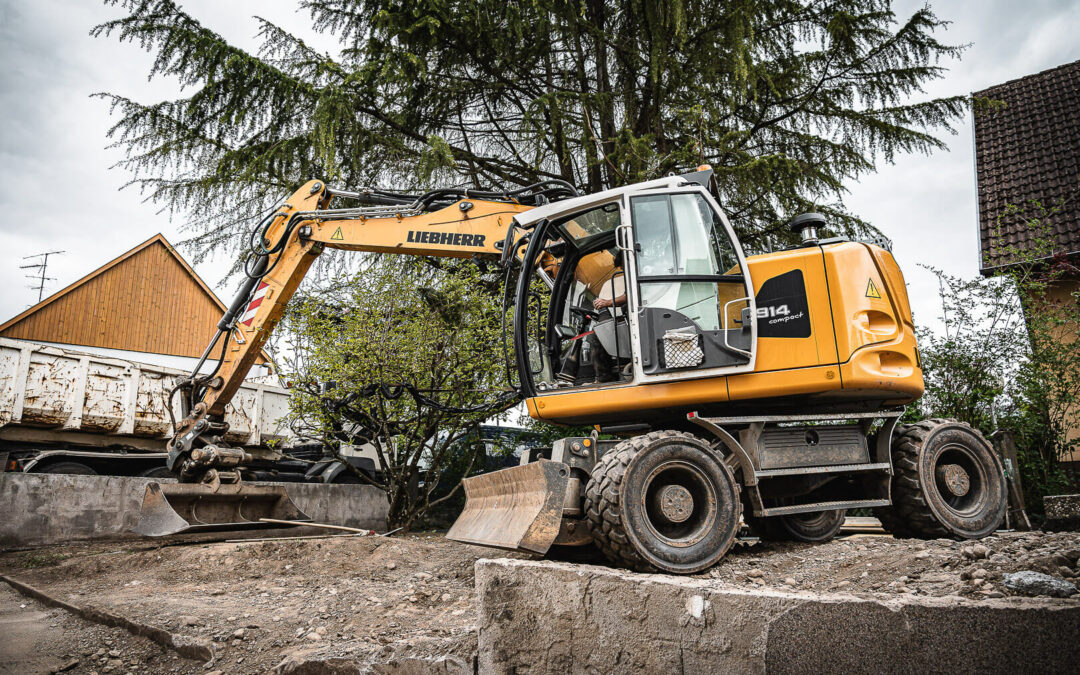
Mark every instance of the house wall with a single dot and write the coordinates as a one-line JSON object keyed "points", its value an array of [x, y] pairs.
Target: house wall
{"points": [[1062, 292]]}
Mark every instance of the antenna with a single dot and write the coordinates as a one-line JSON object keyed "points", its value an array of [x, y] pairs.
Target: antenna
{"points": [[39, 278]]}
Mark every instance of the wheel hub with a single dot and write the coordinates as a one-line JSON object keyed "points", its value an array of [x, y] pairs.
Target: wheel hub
{"points": [[675, 503], [955, 479]]}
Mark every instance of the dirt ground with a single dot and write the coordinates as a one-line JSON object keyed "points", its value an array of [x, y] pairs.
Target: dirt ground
{"points": [[373, 600], [39, 639]]}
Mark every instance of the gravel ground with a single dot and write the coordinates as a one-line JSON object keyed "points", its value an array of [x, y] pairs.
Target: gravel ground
{"points": [[878, 565], [373, 599]]}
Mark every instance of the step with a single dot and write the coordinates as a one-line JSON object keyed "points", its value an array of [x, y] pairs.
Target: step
{"points": [[836, 468], [824, 506]]}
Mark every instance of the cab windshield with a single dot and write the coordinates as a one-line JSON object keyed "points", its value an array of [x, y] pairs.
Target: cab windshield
{"points": [[589, 226]]}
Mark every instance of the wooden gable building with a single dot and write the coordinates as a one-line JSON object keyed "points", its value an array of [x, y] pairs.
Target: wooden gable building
{"points": [[148, 301]]}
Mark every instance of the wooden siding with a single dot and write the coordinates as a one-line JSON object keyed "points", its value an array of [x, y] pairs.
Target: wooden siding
{"points": [[147, 300]]}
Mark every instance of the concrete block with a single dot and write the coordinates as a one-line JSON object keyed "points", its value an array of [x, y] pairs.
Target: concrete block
{"points": [[55, 508], [1062, 512], [548, 617]]}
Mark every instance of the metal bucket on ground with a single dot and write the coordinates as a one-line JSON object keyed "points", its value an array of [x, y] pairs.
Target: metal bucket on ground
{"points": [[519, 508], [174, 508]]}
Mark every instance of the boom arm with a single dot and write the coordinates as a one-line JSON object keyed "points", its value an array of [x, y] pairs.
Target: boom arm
{"points": [[295, 235]]}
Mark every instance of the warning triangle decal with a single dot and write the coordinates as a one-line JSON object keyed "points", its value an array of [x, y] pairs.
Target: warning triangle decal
{"points": [[337, 236], [871, 290]]}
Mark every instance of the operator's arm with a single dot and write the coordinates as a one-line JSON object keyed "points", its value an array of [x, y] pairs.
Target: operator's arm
{"points": [[601, 303]]}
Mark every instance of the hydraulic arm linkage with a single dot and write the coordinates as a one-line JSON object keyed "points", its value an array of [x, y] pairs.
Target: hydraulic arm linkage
{"points": [[444, 223]]}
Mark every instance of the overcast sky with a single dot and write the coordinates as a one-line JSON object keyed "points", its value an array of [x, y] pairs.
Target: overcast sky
{"points": [[57, 191]]}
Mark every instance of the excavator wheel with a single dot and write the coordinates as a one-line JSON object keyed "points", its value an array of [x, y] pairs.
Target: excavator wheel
{"points": [[663, 501], [947, 482], [813, 528]]}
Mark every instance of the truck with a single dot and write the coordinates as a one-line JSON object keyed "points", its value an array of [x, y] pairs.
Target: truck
{"points": [[63, 410]]}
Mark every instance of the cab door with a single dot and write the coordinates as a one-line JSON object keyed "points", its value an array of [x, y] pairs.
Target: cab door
{"points": [[694, 313]]}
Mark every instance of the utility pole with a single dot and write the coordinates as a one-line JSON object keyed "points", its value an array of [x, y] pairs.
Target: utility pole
{"points": [[39, 278]]}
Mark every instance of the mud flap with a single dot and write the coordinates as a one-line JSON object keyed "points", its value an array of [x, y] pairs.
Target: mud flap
{"points": [[518, 508], [174, 508]]}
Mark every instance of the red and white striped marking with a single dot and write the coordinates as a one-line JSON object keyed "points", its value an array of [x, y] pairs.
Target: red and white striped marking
{"points": [[253, 306]]}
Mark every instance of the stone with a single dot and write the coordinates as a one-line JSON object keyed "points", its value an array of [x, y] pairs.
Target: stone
{"points": [[979, 574], [592, 620], [238, 634], [313, 636], [188, 620], [1030, 582], [1062, 512], [755, 574]]}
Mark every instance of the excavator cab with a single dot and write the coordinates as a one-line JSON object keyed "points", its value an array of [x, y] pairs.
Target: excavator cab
{"points": [[635, 285]]}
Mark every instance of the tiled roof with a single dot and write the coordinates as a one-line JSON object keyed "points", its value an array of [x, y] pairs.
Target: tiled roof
{"points": [[1029, 150]]}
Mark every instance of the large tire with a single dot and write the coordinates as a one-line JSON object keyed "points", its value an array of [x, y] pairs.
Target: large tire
{"points": [[931, 498], [74, 468], [663, 501], [813, 528]]}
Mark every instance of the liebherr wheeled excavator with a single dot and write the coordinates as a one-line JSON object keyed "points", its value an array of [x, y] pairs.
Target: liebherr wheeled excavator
{"points": [[718, 385]]}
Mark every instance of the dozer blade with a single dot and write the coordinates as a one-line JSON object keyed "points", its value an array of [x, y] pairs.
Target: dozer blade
{"points": [[173, 508], [518, 508]]}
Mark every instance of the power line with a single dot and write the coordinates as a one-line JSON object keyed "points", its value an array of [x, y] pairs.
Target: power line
{"points": [[39, 278]]}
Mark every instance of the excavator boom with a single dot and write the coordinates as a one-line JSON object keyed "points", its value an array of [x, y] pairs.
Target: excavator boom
{"points": [[443, 224]]}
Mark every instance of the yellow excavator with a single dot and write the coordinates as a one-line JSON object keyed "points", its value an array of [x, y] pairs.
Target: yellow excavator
{"points": [[720, 387]]}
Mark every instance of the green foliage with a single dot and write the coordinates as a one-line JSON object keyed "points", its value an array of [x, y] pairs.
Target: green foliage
{"points": [[1008, 358], [356, 346], [786, 99], [37, 559]]}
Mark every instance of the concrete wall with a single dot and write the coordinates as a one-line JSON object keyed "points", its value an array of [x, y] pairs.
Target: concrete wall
{"points": [[38, 509], [546, 617]]}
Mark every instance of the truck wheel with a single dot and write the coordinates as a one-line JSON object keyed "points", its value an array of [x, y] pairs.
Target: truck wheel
{"points": [[947, 482], [75, 468], [813, 528], [664, 501]]}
